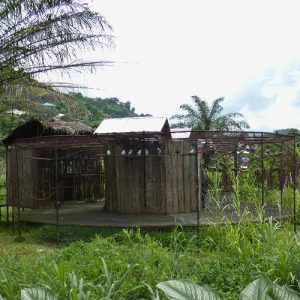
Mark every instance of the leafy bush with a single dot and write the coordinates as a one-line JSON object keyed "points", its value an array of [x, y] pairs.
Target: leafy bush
{"points": [[260, 289]]}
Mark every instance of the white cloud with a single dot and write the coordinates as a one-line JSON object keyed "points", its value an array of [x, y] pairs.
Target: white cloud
{"points": [[283, 88], [167, 51]]}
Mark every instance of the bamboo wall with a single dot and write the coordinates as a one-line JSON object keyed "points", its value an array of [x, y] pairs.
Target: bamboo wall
{"points": [[155, 183], [33, 181], [163, 183], [22, 172]]}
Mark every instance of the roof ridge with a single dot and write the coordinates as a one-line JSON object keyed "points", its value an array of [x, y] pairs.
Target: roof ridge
{"points": [[146, 117]]}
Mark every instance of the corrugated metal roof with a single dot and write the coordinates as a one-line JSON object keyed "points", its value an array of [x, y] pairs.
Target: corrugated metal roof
{"points": [[137, 124], [180, 133]]}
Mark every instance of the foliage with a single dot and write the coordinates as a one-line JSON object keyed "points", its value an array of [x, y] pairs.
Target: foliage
{"points": [[184, 290], [37, 294], [38, 36], [41, 35], [291, 131], [29, 101], [201, 116], [128, 264], [260, 289], [122, 264], [72, 106], [264, 289], [100, 109]]}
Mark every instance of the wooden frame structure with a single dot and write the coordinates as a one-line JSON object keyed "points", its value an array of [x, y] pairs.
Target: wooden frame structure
{"points": [[136, 172]]}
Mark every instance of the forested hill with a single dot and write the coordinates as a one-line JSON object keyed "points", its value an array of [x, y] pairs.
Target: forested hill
{"points": [[46, 104], [100, 109]]}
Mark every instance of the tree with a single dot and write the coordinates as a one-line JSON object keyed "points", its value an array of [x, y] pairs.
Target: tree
{"points": [[42, 35], [201, 116]]}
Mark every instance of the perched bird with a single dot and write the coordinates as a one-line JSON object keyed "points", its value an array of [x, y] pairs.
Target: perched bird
{"points": [[240, 146], [139, 152], [252, 149], [130, 152], [245, 160], [202, 144], [211, 145], [158, 151], [123, 152], [146, 152], [245, 152], [108, 152], [192, 151]]}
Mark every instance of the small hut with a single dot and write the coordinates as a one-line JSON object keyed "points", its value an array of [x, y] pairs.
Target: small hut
{"points": [[146, 171], [47, 161]]}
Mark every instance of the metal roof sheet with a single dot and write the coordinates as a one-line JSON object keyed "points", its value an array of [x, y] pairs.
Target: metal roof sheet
{"points": [[180, 133], [136, 124]]}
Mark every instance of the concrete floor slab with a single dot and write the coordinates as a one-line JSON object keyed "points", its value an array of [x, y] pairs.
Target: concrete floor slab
{"points": [[93, 214]]}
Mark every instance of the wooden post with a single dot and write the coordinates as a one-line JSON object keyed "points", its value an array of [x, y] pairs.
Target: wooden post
{"points": [[145, 184], [199, 189], [281, 174], [262, 172], [18, 194], [294, 186], [7, 184], [56, 192], [13, 218], [235, 156]]}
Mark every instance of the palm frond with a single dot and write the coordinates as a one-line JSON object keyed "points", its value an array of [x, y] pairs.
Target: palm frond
{"points": [[178, 117], [202, 117], [216, 108], [43, 35], [191, 112]]}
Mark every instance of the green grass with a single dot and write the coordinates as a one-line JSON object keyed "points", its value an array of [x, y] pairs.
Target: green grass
{"points": [[120, 264], [91, 263]]}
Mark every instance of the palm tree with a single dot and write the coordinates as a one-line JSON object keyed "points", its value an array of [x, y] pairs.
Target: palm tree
{"points": [[42, 35], [201, 116]]}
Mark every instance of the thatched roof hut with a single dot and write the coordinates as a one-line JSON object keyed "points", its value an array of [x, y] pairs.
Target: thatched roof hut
{"points": [[38, 128], [45, 158]]}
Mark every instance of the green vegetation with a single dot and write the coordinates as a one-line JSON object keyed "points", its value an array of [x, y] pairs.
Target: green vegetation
{"points": [[73, 106], [123, 264], [260, 289], [201, 116], [100, 109], [40, 36]]}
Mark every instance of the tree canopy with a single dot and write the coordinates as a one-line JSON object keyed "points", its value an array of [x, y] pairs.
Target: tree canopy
{"points": [[43, 35], [69, 107], [201, 116]]}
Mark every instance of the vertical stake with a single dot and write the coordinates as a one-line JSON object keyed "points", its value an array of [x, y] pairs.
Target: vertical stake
{"points": [[281, 174], [7, 185], [262, 172], [235, 157], [294, 186], [18, 194], [199, 190], [145, 183], [13, 218], [56, 192]]}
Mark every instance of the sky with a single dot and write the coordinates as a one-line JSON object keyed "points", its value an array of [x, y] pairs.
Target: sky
{"points": [[166, 51]]}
